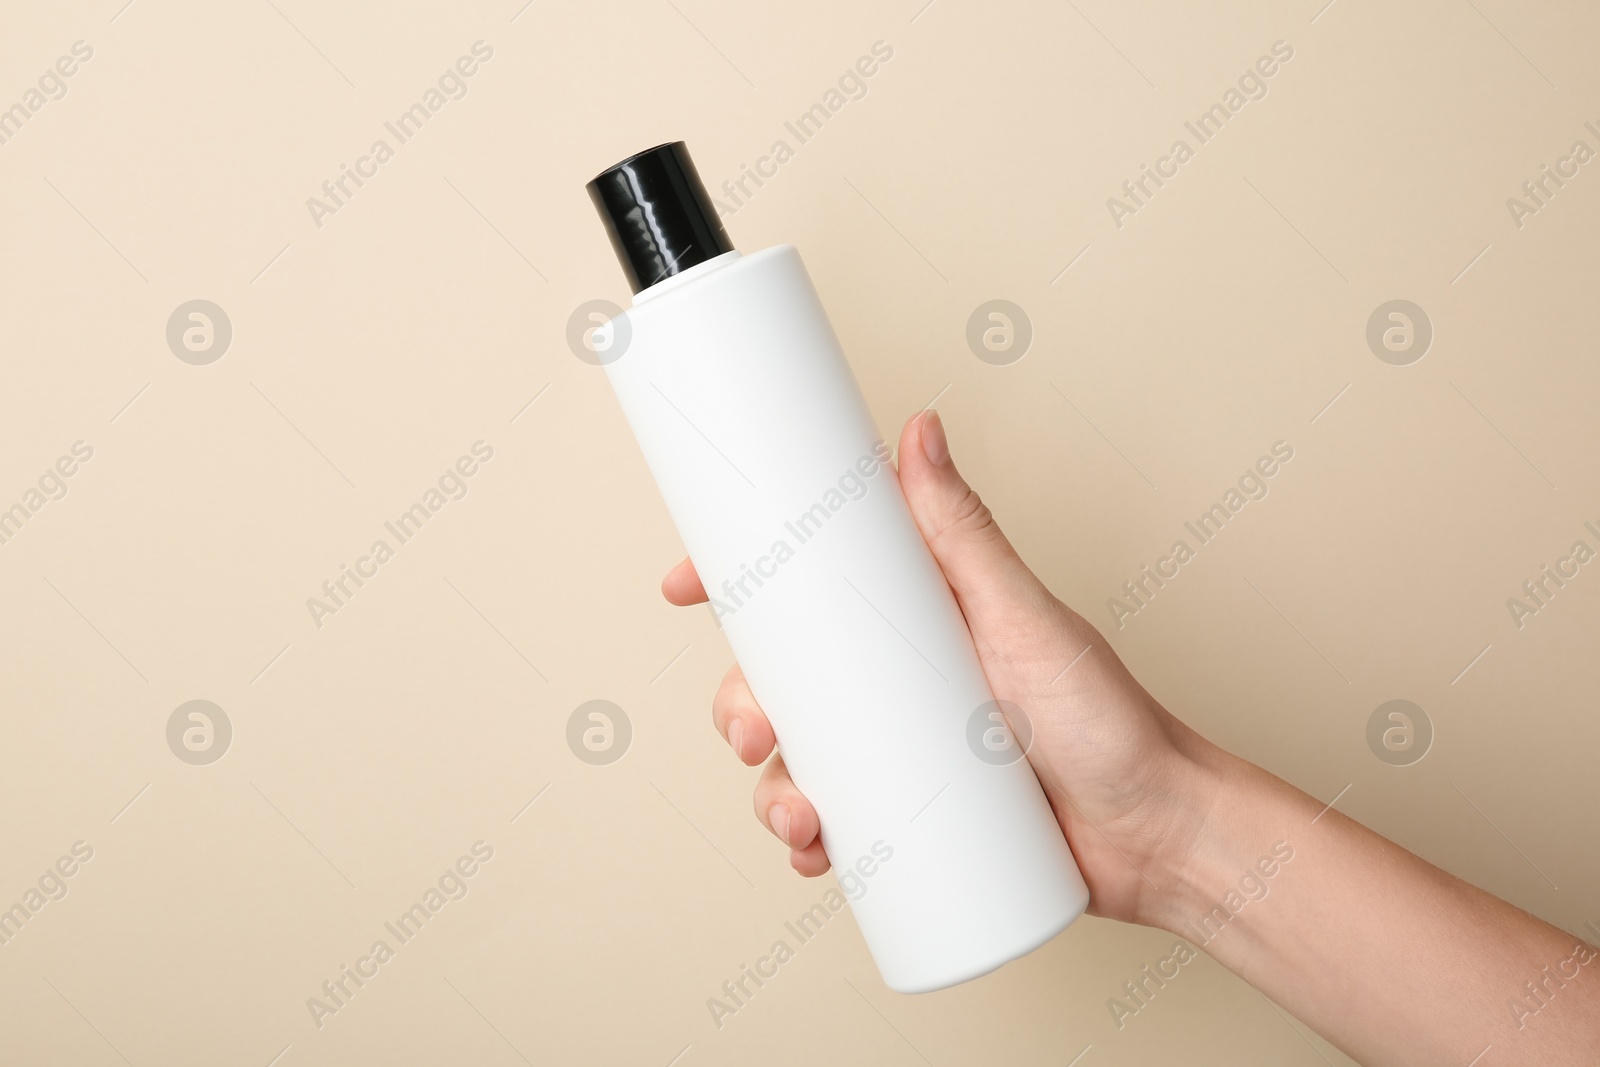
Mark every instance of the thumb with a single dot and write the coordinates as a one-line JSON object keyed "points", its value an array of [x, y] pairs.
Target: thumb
{"points": [[997, 592]]}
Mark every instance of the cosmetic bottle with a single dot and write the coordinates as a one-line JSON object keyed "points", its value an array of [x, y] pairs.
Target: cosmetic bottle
{"points": [[786, 497]]}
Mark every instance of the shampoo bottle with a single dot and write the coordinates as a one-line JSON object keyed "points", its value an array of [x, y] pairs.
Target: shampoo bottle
{"points": [[761, 443]]}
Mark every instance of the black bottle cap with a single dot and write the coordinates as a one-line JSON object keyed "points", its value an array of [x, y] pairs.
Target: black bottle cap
{"points": [[657, 213]]}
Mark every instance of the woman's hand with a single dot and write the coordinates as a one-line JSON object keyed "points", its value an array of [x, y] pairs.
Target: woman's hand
{"points": [[1123, 776]]}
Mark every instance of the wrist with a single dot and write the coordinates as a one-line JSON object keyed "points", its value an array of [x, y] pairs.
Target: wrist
{"points": [[1228, 835]]}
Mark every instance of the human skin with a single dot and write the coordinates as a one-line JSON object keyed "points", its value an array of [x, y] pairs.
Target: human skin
{"points": [[1388, 957]]}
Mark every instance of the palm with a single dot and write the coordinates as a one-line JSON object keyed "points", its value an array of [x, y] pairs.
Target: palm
{"points": [[1097, 742]]}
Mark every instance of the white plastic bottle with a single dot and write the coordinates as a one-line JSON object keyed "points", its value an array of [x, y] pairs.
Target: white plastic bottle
{"points": [[781, 488]]}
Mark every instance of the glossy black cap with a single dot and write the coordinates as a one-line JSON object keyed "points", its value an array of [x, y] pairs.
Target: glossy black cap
{"points": [[657, 213]]}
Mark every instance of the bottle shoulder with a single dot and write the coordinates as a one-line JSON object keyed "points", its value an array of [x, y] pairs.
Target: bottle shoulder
{"points": [[705, 278]]}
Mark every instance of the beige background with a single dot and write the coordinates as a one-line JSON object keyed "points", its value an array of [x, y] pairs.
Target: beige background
{"points": [[371, 352]]}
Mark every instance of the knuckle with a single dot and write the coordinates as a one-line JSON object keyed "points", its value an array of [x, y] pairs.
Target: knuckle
{"points": [[970, 517]]}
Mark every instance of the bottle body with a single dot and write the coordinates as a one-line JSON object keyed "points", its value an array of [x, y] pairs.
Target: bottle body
{"points": [[788, 503]]}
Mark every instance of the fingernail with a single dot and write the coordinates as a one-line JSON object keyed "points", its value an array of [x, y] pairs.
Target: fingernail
{"points": [[934, 444], [736, 738], [779, 817]]}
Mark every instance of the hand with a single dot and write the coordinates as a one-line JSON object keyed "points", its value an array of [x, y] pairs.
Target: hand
{"points": [[1122, 775], [1165, 826]]}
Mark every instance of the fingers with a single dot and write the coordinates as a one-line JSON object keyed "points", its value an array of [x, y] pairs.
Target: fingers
{"points": [[791, 818], [989, 579], [741, 721], [954, 521], [779, 804], [810, 861], [682, 586]]}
